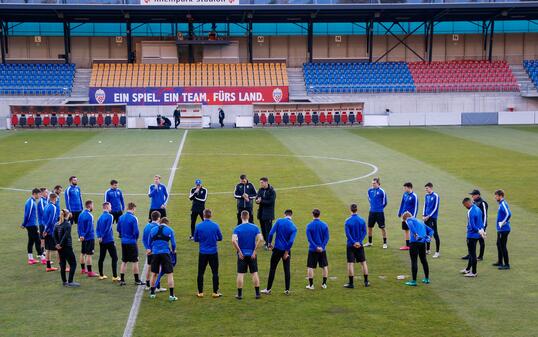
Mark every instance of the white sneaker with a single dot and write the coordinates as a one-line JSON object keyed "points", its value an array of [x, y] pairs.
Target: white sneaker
{"points": [[385, 246], [436, 255], [368, 244], [147, 288], [324, 285], [160, 290], [266, 291], [428, 252], [287, 292], [470, 275], [465, 271], [310, 287]]}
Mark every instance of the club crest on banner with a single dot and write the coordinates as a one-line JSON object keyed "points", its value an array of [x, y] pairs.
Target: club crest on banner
{"points": [[100, 96], [277, 95]]}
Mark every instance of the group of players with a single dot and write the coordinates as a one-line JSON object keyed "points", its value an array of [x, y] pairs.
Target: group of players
{"points": [[49, 230]]}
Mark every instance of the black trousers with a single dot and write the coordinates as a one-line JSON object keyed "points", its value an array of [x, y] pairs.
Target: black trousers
{"points": [[266, 226], [275, 259], [418, 250], [432, 223], [471, 249], [111, 249], [177, 121], [194, 216], [33, 239], [67, 256], [221, 122], [203, 261], [482, 243], [250, 215], [502, 250]]}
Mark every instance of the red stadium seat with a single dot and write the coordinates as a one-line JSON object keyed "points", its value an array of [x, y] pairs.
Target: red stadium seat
{"points": [[76, 120], [278, 118], [263, 119], [293, 118], [100, 120], [344, 117], [115, 120], [30, 120], [14, 120], [329, 117], [46, 120], [308, 118], [61, 120], [322, 118]]}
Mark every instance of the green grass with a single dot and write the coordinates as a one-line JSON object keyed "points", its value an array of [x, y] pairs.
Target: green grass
{"points": [[454, 160]]}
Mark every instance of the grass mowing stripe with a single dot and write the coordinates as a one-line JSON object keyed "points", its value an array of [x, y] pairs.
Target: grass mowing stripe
{"points": [[529, 128]]}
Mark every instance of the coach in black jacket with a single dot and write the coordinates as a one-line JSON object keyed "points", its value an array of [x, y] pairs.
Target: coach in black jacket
{"points": [[266, 211], [198, 196], [245, 193], [483, 205]]}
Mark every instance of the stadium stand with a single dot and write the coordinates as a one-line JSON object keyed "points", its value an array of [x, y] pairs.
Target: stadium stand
{"points": [[360, 77], [467, 75], [36, 79], [189, 75], [531, 67]]}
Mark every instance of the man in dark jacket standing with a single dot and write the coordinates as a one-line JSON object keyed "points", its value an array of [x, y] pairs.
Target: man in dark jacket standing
{"points": [[266, 211], [198, 195], [221, 117], [483, 206], [177, 117], [244, 193]]}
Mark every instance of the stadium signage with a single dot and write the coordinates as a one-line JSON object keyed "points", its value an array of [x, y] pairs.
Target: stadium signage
{"points": [[203, 95], [189, 2]]}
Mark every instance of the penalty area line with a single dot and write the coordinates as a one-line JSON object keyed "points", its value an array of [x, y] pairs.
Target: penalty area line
{"points": [[133, 314]]}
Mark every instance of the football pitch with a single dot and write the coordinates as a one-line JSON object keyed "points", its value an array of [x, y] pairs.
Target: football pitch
{"points": [[309, 168]]}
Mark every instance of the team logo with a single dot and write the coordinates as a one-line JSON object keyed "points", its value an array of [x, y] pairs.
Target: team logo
{"points": [[277, 95], [100, 96]]}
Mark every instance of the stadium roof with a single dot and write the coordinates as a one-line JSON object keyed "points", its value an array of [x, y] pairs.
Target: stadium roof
{"points": [[270, 13]]}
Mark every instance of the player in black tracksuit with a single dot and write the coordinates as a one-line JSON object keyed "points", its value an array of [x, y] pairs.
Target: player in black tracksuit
{"points": [[244, 193], [266, 198], [198, 196], [483, 205]]}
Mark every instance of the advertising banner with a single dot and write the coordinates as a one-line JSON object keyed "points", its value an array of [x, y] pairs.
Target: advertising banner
{"points": [[189, 2], [202, 95]]}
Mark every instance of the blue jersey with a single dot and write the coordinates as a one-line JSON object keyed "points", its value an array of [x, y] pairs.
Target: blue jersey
{"points": [[41, 205], [285, 234], [128, 228], [73, 199], [503, 216], [162, 240], [30, 213], [431, 205], [104, 228], [355, 228], [246, 237], [409, 204], [158, 196], [317, 233], [377, 198], [58, 208], [85, 225], [474, 222], [49, 219], [146, 232], [115, 197], [207, 233], [418, 231]]}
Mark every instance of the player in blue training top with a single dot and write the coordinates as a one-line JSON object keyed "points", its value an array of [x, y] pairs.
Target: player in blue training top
{"points": [[114, 196], [246, 239], [503, 229], [355, 228], [158, 195], [475, 231], [207, 233], [73, 199], [419, 235], [378, 201], [429, 215], [163, 244], [105, 235], [29, 222], [86, 234], [285, 231], [128, 231], [409, 204], [317, 233], [154, 222]]}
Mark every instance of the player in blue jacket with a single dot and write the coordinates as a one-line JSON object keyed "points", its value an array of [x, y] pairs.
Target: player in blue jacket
{"points": [[105, 235], [128, 231], [58, 191], [86, 235], [285, 231], [163, 244], [419, 235], [49, 221], [429, 215], [207, 233], [246, 239], [114, 196], [378, 201], [475, 230], [154, 222], [158, 195], [503, 229], [317, 233], [73, 199], [41, 205], [409, 204], [29, 222], [355, 228]]}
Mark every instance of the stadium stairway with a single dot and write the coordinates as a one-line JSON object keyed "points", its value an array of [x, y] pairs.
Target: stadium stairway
{"points": [[526, 86], [81, 85], [297, 86]]}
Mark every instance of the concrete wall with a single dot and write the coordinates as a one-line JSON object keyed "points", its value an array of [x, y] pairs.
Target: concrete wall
{"points": [[512, 47]]}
